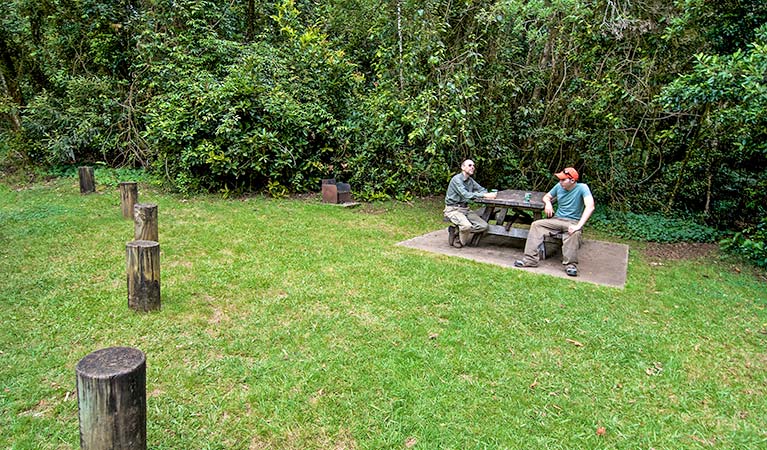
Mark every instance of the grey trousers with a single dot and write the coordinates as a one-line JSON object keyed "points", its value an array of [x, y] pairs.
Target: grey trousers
{"points": [[550, 227], [466, 220]]}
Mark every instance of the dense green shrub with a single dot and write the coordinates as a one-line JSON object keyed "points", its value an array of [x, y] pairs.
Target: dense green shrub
{"points": [[751, 243], [83, 124], [652, 227], [238, 96], [262, 116], [721, 107]]}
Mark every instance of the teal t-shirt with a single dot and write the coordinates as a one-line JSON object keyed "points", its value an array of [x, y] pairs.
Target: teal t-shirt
{"points": [[570, 203]]}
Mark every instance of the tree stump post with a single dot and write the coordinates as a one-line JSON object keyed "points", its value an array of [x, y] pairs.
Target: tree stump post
{"points": [[143, 273], [87, 181], [128, 197], [145, 220], [111, 396]]}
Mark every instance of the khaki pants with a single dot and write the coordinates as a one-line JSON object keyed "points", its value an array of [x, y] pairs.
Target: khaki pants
{"points": [[466, 220], [551, 227]]}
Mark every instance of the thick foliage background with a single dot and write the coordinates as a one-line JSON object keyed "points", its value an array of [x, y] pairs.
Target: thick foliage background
{"points": [[661, 105]]}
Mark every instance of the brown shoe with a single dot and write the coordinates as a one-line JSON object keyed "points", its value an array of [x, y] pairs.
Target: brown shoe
{"points": [[523, 263]]}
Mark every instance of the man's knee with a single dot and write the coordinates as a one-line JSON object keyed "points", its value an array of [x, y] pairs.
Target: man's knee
{"points": [[536, 225], [572, 238]]}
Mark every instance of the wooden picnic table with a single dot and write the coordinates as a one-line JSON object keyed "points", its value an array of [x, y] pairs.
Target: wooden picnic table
{"points": [[509, 208]]}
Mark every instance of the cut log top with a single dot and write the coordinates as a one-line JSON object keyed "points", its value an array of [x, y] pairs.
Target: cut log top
{"points": [[143, 244], [110, 362]]}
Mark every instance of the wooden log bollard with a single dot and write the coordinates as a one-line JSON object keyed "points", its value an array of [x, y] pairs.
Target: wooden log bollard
{"points": [[128, 197], [87, 181], [145, 220], [111, 396], [143, 273]]}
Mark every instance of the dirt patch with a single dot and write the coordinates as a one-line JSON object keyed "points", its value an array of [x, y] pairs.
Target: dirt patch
{"points": [[679, 250]]}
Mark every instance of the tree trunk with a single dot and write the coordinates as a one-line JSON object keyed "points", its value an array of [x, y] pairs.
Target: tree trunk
{"points": [[12, 116], [111, 395], [251, 21]]}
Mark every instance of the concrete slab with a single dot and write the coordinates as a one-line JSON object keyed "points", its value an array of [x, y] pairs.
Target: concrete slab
{"points": [[603, 263]]}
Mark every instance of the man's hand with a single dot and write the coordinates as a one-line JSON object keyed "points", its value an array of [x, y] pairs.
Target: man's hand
{"points": [[490, 194], [547, 208], [572, 229]]}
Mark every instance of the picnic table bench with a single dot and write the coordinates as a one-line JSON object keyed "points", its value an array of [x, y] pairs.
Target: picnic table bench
{"points": [[510, 208]]}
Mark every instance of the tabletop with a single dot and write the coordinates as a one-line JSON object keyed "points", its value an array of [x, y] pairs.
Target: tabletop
{"points": [[515, 198]]}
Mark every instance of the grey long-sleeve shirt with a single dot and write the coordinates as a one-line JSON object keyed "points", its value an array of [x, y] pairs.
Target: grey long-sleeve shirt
{"points": [[460, 191]]}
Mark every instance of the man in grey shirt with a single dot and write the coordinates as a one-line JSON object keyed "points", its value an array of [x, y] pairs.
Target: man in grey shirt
{"points": [[460, 191]]}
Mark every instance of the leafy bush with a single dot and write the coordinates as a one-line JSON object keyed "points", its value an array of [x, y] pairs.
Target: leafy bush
{"points": [[652, 227], [239, 96], [750, 243], [78, 125], [263, 117]]}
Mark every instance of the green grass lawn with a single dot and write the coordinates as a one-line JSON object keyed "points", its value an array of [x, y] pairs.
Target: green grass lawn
{"points": [[293, 324]]}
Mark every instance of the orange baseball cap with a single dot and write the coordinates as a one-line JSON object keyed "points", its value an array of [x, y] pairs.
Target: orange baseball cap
{"points": [[568, 173]]}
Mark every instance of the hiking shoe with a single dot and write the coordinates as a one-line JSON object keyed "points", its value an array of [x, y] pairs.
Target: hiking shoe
{"points": [[451, 235], [571, 270], [522, 263]]}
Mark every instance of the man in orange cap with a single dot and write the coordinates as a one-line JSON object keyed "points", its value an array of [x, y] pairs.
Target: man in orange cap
{"points": [[574, 207]]}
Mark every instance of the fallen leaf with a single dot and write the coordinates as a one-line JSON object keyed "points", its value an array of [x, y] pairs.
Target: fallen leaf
{"points": [[411, 441], [601, 431], [534, 385], [656, 369], [433, 336], [574, 342]]}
